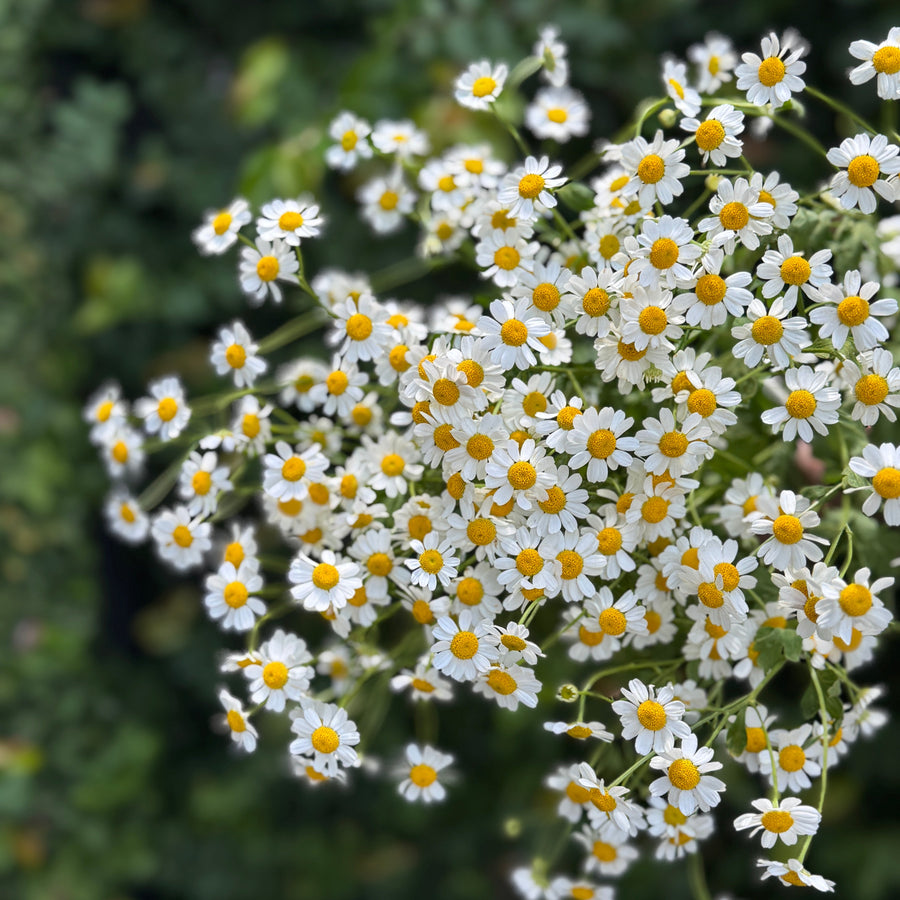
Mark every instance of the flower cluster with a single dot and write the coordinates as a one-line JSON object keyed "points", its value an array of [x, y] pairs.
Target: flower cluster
{"points": [[556, 463]]}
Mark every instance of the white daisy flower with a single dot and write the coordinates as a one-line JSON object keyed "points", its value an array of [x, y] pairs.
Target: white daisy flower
{"points": [[786, 272], [792, 872], [515, 645], [287, 473], [105, 411], [504, 257], [796, 760], [882, 464], [340, 389], [649, 320], [575, 798], [422, 767], [523, 472], [220, 227], [591, 294], [564, 507], [881, 60], [848, 309], [774, 76], [558, 113], [811, 405], [325, 732], [854, 606], [434, 561], [320, 585], [386, 201], [350, 132], [687, 783], [785, 821], [738, 216], [242, 732], [508, 684], [716, 136], [201, 481], [235, 352], [715, 60], [875, 386], [780, 196], [654, 169], [714, 297], [674, 79], [786, 521], [663, 252], [597, 439], [608, 806], [526, 190], [289, 221], [651, 718], [422, 682], [608, 853], [125, 517], [228, 597], [526, 562], [480, 85], [280, 671], [180, 539], [654, 510], [401, 138], [165, 411], [770, 333], [263, 266], [580, 731], [864, 161], [122, 451], [464, 650], [667, 448], [552, 53]]}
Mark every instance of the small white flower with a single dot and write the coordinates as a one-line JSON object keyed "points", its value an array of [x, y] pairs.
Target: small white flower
{"points": [[242, 732], [325, 732], [558, 113], [350, 132], [466, 649], [882, 464], [687, 782], [864, 161], [221, 226], [290, 221], [480, 85], [263, 266], [849, 309], [165, 411], [881, 60], [674, 79], [650, 718], [774, 76], [422, 767], [811, 405], [786, 272], [785, 821], [526, 191], [793, 873], [787, 520], [229, 597], [318, 585], [280, 671]]}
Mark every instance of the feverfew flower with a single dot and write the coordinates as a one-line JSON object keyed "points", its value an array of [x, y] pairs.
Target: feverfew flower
{"points": [[325, 732], [849, 309], [786, 272], [290, 221], [280, 671], [125, 517], [221, 226], [787, 520], [235, 352], [864, 162], [771, 334], [812, 404], [654, 169], [386, 202], [229, 599], [882, 464], [180, 539], [774, 76], [845, 608], [674, 79], [350, 132], [320, 585], [687, 782], [795, 762], [165, 411], [201, 481], [480, 85], [881, 60], [558, 113], [242, 732], [466, 649], [263, 266], [526, 190], [422, 767], [785, 821], [715, 60], [651, 718], [716, 136], [792, 872]]}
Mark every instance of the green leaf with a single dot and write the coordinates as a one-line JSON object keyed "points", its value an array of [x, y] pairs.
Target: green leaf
{"points": [[736, 736], [576, 196]]}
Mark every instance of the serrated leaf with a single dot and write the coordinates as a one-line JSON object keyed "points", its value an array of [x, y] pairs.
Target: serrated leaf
{"points": [[851, 479], [792, 644]]}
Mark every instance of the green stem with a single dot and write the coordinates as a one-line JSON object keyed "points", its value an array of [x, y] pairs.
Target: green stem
{"points": [[823, 781], [697, 877]]}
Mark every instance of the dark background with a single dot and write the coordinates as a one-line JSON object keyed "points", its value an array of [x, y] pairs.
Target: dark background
{"points": [[120, 122]]}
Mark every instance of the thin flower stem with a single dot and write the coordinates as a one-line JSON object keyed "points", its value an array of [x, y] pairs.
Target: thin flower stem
{"points": [[823, 781], [697, 877], [840, 108], [633, 768]]}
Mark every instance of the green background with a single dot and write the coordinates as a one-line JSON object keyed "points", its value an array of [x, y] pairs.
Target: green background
{"points": [[120, 122]]}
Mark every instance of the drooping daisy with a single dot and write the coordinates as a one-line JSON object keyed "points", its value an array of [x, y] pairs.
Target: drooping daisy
{"points": [[881, 60], [526, 190], [716, 136], [180, 539], [242, 731], [290, 221], [770, 333], [558, 113], [792, 872], [786, 272], [220, 227], [386, 202], [654, 169], [780, 196], [609, 806], [774, 76], [318, 585], [263, 266], [651, 718], [421, 774], [849, 309], [674, 79], [882, 464], [480, 85], [466, 649], [165, 411], [423, 683], [325, 732], [229, 599], [787, 519], [864, 162], [350, 132], [811, 405], [687, 782]]}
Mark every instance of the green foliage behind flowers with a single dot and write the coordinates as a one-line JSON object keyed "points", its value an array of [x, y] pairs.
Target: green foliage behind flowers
{"points": [[121, 120]]}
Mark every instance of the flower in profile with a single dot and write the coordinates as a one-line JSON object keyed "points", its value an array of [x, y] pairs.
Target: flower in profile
{"points": [[792, 872], [784, 821], [242, 731]]}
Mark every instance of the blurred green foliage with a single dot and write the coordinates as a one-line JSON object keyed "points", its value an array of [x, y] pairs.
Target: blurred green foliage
{"points": [[120, 121]]}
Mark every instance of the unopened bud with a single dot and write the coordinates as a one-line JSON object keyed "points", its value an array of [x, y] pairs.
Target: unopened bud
{"points": [[667, 117], [567, 693]]}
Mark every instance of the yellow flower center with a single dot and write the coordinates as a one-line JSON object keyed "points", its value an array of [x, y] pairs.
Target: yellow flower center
{"points": [[267, 268], [651, 169], [673, 444], [709, 595], [120, 452], [653, 320], [422, 613], [348, 141], [501, 221], [710, 289], [767, 330], [474, 166], [853, 311], [397, 358], [420, 684], [557, 115], [609, 246], [792, 758], [556, 500], [293, 469], [663, 255], [470, 591], [601, 444], [777, 821], [871, 389], [444, 231], [529, 562], [792, 878], [604, 801], [756, 740], [590, 638], [290, 221], [325, 739], [534, 403], [886, 60], [464, 645], [855, 641], [800, 404], [472, 370], [571, 563], [530, 186], [479, 446], [235, 594], [596, 302], [579, 732], [887, 483], [431, 562], [609, 541], [613, 622], [447, 184], [576, 793], [795, 270], [235, 721], [127, 513], [337, 382], [481, 532], [182, 536], [388, 200], [290, 507], [684, 774], [855, 600], [863, 171], [166, 409], [709, 135], [771, 71], [483, 86], [325, 576], [359, 327], [702, 401], [787, 529], [422, 775], [522, 475], [201, 483], [501, 682], [545, 296], [275, 675], [734, 216], [379, 564], [653, 620], [672, 815], [445, 392], [236, 356], [513, 642], [222, 222], [629, 352], [651, 715], [605, 852], [104, 411], [654, 510], [456, 486], [443, 438], [507, 258], [418, 527]]}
